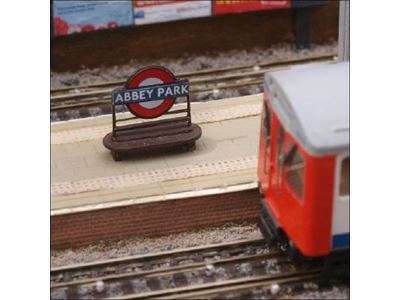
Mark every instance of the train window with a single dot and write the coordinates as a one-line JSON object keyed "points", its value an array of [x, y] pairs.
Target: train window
{"points": [[266, 132], [267, 124], [280, 156], [344, 188], [294, 171]]}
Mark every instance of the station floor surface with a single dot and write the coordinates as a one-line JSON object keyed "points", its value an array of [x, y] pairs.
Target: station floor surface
{"points": [[84, 176]]}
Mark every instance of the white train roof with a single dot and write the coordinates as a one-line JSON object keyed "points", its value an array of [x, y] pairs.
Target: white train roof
{"points": [[312, 102]]}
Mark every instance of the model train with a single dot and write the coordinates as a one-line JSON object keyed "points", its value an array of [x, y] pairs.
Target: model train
{"points": [[304, 158]]}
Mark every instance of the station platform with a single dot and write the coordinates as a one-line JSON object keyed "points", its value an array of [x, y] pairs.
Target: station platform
{"points": [[85, 177]]}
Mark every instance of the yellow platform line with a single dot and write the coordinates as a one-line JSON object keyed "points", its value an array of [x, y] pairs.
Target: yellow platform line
{"points": [[154, 176], [200, 117]]}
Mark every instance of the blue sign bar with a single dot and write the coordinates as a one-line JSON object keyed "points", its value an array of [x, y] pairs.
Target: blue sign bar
{"points": [[150, 93]]}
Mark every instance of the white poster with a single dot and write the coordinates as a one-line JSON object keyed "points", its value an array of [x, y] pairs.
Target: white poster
{"points": [[148, 11]]}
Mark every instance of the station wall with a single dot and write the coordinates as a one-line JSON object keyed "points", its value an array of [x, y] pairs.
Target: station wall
{"points": [[153, 219]]}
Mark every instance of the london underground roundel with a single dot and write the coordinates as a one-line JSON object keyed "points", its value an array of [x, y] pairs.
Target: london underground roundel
{"points": [[147, 77]]}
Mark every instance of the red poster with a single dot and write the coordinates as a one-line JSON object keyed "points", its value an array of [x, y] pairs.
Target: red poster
{"points": [[147, 3], [234, 6]]}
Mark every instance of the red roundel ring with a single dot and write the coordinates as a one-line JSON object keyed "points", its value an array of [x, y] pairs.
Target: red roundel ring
{"points": [[149, 76]]}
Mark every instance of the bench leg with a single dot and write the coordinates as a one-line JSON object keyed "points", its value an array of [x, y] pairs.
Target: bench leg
{"points": [[190, 147], [116, 155]]}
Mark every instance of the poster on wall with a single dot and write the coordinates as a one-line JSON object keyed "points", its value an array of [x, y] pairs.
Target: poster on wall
{"points": [[82, 16], [149, 11], [221, 7]]}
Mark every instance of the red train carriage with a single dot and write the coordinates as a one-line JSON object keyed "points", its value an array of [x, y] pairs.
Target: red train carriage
{"points": [[304, 158]]}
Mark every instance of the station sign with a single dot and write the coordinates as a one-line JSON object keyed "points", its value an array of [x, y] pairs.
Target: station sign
{"points": [[221, 7], [150, 92]]}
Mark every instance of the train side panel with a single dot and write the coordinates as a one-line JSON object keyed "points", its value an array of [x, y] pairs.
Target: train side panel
{"points": [[307, 218]]}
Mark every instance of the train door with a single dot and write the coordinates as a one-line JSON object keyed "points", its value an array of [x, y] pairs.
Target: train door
{"points": [[287, 182], [264, 149]]}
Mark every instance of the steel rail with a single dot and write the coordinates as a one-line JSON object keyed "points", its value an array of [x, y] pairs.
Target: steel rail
{"points": [[157, 254], [195, 82], [200, 86], [106, 98]]}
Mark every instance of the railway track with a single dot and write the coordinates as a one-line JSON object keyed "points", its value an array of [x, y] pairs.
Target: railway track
{"points": [[65, 275], [67, 101], [286, 287], [209, 269]]}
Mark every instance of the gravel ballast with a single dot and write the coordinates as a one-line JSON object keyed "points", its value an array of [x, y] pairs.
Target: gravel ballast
{"points": [[190, 63], [135, 246]]}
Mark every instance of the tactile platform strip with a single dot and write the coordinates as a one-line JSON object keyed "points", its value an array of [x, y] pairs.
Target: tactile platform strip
{"points": [[163, 175], [201, 117]]}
